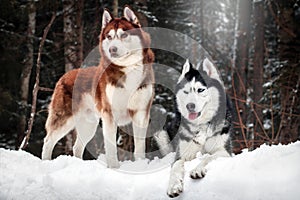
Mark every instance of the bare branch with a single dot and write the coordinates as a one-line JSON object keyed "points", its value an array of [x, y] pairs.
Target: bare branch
{"points": [[36, 85], [290, 32], [46, 89], [238, 113], [260, 123]]}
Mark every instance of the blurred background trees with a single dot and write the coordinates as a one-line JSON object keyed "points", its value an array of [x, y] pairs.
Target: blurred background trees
{"points": [[254, 43]]}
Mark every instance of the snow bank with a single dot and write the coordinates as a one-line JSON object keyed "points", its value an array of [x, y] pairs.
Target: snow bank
{"points": [[266, 173]]}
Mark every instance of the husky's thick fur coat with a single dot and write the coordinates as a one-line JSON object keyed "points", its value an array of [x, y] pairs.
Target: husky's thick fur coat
{"points": [[119, 91], [203, 120]]}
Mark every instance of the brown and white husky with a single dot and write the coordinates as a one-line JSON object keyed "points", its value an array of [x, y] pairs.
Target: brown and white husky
{"points": [[119, 91]]}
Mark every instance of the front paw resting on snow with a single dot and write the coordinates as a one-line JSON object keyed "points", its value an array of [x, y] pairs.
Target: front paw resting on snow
{"points": [[113, 163], [175, 187], [198, 172]]}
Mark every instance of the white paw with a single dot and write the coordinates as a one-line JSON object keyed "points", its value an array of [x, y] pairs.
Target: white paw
{"points": [[198, 172], [139, 156], [175, 188], [113, 163]]}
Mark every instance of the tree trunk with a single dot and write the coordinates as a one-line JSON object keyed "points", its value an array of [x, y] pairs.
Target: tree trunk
{"points": [[197, 20], [289, 51], [73, 47], [258, 64], [25, 77], [240, 61], [201, 22], [115, 8], [73, 41]]}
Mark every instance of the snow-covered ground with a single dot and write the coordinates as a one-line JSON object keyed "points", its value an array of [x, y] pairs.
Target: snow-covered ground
{"points": [[266, 173]]}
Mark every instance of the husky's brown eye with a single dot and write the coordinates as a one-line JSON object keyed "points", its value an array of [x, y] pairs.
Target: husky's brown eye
{"points": [[108, 37], [124, 35], [185, 92]]}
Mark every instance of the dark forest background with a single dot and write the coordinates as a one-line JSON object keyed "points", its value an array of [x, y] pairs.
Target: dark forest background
{"points": [[254, 43]]}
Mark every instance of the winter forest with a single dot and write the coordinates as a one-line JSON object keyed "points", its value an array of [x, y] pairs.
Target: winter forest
{"points": [[254, 43]]}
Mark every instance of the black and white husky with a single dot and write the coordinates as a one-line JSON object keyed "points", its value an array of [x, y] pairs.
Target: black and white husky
{"points": [[203, 122]]}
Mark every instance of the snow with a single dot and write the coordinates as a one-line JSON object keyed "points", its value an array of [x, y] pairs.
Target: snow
{"points": [[268, 84], [269, 172]]}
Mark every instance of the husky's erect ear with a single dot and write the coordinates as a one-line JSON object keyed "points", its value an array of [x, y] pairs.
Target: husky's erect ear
{"points": [[210, 69], [130, 16], [106, 18], [186, 67]]}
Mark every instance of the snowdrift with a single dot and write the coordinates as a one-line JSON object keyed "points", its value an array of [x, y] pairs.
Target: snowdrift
{"points": [[266, 173]]}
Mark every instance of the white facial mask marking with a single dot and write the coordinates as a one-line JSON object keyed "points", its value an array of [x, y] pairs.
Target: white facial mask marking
{"points": [[190, 94], [129, 49]]}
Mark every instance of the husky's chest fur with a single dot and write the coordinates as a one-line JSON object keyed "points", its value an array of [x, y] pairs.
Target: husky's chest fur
{"points": [[125, 97]]}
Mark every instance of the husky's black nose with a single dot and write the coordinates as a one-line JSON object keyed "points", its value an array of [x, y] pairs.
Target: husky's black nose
{"points": [[113, 49], [190, 107]]}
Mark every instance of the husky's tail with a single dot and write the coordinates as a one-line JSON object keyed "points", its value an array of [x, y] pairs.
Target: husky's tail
{"points": [[163, 142]]}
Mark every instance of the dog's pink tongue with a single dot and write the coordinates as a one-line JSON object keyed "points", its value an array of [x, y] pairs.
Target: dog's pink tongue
{"points": [[193, 116]]}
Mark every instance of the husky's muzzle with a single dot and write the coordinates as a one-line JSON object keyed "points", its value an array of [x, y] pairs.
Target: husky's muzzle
{"points": [[192, 113], [113, 51]]}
